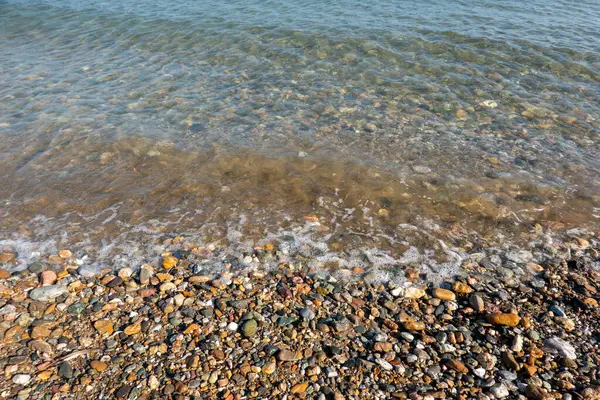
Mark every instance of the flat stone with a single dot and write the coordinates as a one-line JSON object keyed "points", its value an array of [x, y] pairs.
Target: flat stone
{"points": [[125, 273], [443, 294], [384, 364], [307, 314], [269, 368], [21, 379], [8, 258], [8, 309], [42, 330], [104, 327], [509, 360], [461, 288], [558, 311], [133, 329], [167, 287], [123, 392], [383, 347], [558, 346], [65, 370], [146, 272], [46, 293], [40, 346], [169, 262], [286, 355], [414, 326], [299, 388], [199, 279], [98, 365], [232, 326], [506, 319], [114, 282]]}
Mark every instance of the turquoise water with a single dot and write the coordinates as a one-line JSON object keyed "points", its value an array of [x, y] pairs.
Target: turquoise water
{"points": [[473, 110]]}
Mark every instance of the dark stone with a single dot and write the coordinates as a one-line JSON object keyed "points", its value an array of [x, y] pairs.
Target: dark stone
{"points": [[65, 370], [117, 281], [123, 391]]}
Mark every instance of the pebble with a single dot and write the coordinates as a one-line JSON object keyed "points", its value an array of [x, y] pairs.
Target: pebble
{"points": [[299, 388], [21, 379], [413, 293], [104, 327], [414, 326], [444, 294], [477, 303], [558, 311], [457, 366], [307, 314], [98, 365], [65, 370], [125, 273], [507, 319], [560, 347], [499, 391], [232, 326], [249, 328], [47, 293], [286, 355], [48, 277]]}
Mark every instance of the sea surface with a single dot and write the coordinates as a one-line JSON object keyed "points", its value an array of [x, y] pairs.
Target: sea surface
{"points": [[376, 128]]}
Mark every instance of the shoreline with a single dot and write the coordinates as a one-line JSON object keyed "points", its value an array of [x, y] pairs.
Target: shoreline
{"points": [[169, 330]]}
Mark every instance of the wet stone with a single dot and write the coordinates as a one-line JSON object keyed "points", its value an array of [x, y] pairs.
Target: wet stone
{"points": [[47, 293]]}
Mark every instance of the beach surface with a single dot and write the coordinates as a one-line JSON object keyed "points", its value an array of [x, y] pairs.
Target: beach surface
{"points": [[277, 329]]}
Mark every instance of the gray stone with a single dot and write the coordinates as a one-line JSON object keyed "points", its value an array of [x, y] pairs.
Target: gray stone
{"points": [[65, 370], [477, 302], [499, 391], [558, 346], [37, 267], [407, 336], [435, 372], [307, 314], [384, 364], [47, 293]]}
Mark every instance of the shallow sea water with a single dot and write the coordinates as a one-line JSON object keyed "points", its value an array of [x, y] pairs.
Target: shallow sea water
{"points": [[396, 124]]}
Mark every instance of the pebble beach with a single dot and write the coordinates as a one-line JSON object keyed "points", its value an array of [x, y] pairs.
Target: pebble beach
{"points": [[299, 199], [280, 330]]}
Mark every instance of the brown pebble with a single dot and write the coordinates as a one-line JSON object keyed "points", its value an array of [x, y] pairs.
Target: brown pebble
{"points": [[98, 365], [286, 355], [414, 325], [461, 288], [104, 327], [133, 329], [457, 366], [299, 388], [506, 319], [444, 294]]}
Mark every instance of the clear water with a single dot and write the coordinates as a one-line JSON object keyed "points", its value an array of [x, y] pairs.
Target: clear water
{"points": [[191, 115]]}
